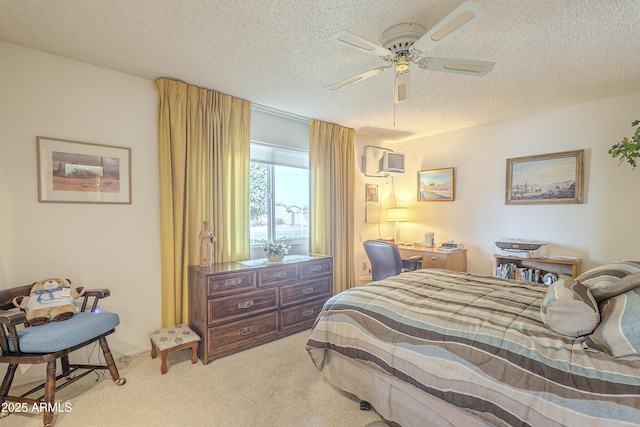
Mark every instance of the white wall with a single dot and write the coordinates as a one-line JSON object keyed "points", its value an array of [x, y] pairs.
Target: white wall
{"points": [[94, 245], [603, 229]]}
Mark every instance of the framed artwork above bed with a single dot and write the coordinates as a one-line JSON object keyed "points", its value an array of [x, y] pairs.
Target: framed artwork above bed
{"points": [[555, 178]]}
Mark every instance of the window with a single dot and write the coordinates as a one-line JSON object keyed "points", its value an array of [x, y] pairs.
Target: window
{"points": [[278, 195]]}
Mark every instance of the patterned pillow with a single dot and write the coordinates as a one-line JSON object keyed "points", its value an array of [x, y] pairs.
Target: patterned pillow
{"points": [[569, 309], [613, 279], [618, 334]]}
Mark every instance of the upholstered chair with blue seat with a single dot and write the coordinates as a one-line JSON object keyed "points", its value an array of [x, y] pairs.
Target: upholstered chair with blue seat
{"points": [[45, 344]]}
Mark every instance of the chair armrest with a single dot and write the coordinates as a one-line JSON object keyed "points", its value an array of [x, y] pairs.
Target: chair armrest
{"points": [[413, 263], [9, 319], [12, 317], [97, 295]]}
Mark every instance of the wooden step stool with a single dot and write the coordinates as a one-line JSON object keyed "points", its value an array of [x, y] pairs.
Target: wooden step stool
{"points": [[173, 338]]}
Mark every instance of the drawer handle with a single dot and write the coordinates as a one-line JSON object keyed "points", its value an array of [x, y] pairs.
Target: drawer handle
{"points": [[307, 291], [434, 258], [315, 268], [233, 282], [279, 274], [245, 331], [307, 313], [246, 304]]}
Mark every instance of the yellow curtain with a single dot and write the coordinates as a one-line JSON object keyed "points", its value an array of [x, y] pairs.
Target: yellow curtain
{"points": [[203, 154], [332, 180]]}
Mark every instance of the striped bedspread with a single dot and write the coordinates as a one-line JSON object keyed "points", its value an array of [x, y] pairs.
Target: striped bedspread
{"points": [[478, 343]]}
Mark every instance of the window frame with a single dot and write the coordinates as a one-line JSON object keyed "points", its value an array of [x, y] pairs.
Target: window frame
{"points": [[271, 208]]}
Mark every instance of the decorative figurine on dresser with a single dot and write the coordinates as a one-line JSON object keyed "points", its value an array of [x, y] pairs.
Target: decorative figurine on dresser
{"points": [[206, 245], [237, 305]]}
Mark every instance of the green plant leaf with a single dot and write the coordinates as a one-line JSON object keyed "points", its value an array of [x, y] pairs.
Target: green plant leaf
{"points": [[626, 149]]}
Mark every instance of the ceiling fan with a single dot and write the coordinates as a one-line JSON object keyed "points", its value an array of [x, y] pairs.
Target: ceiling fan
{"points": [[408, 43]]}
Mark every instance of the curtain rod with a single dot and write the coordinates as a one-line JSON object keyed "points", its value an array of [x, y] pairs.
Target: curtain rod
{"points": [[280, 113], [254, 106]]}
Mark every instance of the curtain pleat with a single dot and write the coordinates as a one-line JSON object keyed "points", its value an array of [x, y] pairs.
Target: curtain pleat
{"points": [[231, 196], [332, 181], [203, 154]]}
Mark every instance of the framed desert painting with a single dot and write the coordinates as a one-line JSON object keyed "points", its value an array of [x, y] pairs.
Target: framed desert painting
{"points": [[82, 172], [436, 185], [545, 179]]}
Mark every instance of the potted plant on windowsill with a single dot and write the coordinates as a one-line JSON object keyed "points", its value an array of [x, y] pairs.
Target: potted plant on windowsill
{"points": [[275, 252], [628, 149]]}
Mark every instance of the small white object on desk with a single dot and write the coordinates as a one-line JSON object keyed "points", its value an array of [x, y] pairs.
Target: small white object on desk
{"points": [[450, 247]]}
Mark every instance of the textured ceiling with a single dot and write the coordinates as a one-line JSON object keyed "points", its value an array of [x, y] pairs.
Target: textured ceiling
{"points": [[276, 53]]}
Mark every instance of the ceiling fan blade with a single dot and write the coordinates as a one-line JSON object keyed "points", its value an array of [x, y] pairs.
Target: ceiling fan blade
{"points": [[401, 87], [355, 79], [459, 66], [355, 41], [463, 16]]}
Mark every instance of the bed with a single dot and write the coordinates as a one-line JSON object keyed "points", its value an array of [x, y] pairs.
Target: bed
{"points": [[450, 348]]}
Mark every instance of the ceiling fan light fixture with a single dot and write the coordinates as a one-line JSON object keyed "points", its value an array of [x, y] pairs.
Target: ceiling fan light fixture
{"points": [[402, 62], [404, 43]]}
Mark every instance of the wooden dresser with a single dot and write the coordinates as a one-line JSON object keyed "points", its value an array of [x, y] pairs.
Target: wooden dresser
{"points": [[434, 258], [237, 305]]}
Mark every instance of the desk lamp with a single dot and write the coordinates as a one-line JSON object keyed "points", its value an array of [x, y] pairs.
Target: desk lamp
{"points": [[398, 215]]}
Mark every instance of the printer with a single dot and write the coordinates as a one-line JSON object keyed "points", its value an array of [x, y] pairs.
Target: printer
{"points": [[521, 248]]}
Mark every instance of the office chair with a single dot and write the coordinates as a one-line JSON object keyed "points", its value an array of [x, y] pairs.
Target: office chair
{"points": [[385, 259]]}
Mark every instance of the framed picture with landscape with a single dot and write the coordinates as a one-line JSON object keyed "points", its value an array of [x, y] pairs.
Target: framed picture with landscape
{"points": [[545, 179], [436, 185], [82, 172]]}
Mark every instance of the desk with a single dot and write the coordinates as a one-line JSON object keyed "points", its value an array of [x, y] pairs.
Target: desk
{"points": [[433, 258]]}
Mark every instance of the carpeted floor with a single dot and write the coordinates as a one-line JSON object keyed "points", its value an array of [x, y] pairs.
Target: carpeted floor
{"points": [[275, 384]]}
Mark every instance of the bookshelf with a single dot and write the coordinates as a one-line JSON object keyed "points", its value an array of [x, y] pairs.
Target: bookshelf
{"points": [[559, 267]]}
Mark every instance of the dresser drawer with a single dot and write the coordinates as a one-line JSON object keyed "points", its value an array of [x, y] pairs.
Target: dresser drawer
{"points": [[244, 330], [277, 275], [301, 316], [240, 305], [434, 260], [315, 268], [300, 292], [225, 284]]}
